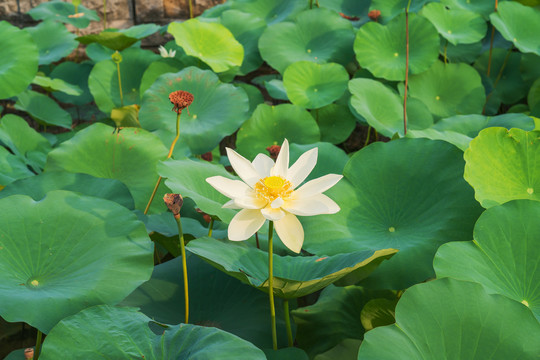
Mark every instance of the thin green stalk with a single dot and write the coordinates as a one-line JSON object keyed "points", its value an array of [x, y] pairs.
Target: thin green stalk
{"points": [[38, 345], [168, 156], [445, 52], [406, 68], [491, 43], [191, 9], [499, 76], [271, 284], [367, 137], [290, 341], [210, 227], [184, 266], [311, 4], [104, 14], [120, 83]]}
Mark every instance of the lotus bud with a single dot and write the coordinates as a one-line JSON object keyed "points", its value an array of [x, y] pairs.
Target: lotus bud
{"points": [[116, 57], [374, 15]]}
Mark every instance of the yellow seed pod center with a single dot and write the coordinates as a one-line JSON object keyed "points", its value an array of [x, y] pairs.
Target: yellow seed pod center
{"points": [[274, 182], [272, 187]]}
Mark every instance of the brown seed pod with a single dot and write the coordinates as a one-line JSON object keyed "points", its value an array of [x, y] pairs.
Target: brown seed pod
{"points": [[181, 100]]}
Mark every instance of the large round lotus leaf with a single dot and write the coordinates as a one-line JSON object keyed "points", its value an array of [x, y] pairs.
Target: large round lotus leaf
{"points": [[213, 43], [43, 108], [187, 177], [97, 52], [455, 138], [243, 312], [451, 319], [510, 85], [57, 85], [383, 108], [382, 48], [19, 60], [503, 256], [533, 98], [466, 53], [270, 11], [530, 68], [54, 41], [111, 39], [11, 168], [130, 156], [254, 94], [140, 31], [247, 29], [482, 7], [336, 123], [124, 333], [330, 158], [313, 85], [502, 165], [519, 24], [157, 68], [103, 79], [392, 8], [408, 194], [269, 125], [294, 276], [217, 110], [317, 35], [24, 142], [334, 317], [456, 25], [38, 186], [356, 10], [80, 251], [64, 12], [276, 89], [76, 74], [347, 349], [449, 89]]}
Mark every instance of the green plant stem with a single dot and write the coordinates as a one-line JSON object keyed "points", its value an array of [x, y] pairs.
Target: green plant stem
{"points": [[257, 240], [406, 68], [367, 137], [290, 341], [499, 76], [445, 52], [271, 284], [190, 9], [491, 43], [184, 266], [168, 157], [120, 83], [104, 14], [317, 116], [210, 227], [38, 345]]}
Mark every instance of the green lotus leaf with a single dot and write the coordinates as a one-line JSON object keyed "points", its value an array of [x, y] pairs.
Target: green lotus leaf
{"points": [[333, 318], [457, 26], [130, 156], [530, 68], [157, 68], [270, 11], [90, 251], [313, 85], [317, 35], [383, 108], [255, 96], [510, 85], [217, 110], [382, 48], [124, 333], [103, 79], [533, 98], [449, 89], [408, 194], [501, 165], [19, 61], [378, 312], [457, 139], [57, 85], [335, 122], [294, 276], [187, 177], [97, 52], [471, 125], [243, 312], [64, 12], [276, 89], [289, 353], [451, 319], [140, 31], [76, 74], [518, 24], [466, 53], [347, 349], [111, 39], [503, 256], [43, 108], [352, 8], [12, 168], [54, 41], [330, 158], [38, 186], [126, 116], [247, 29], [391, 8], [24, 142], [269, 125], [212, 43], [482, 7]]}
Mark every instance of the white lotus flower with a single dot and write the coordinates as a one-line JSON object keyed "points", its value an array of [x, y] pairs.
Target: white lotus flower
{"points": [[166, 54], [268, 192]]}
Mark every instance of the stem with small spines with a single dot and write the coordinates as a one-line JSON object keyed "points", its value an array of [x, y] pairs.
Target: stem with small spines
{"points": [[271, 284]]}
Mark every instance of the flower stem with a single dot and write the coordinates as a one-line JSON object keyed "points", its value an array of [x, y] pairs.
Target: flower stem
{"points": [[38, 345], [271, 284], [168, 156], [288, 322], [491, 43], [210, 227], [120, 83], [445, 52], [367, 137], [406, 68], [191, 9], [498, 78], [184, 266]]}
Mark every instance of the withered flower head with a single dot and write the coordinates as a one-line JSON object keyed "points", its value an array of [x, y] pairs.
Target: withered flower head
{"points": [[174, 202], [181, 100], [274, 151], [207, 156], [374, 14], [352, 18]]}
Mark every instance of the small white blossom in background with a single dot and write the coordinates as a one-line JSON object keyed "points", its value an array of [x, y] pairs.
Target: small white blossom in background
{"points": [[268, 192], [166, 54]]}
